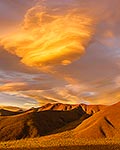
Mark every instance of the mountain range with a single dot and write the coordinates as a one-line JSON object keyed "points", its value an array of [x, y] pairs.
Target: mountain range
{"points": [[80, 120]]}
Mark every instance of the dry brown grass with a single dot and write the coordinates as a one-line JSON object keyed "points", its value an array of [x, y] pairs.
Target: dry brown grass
{"points": [[52, 143]]}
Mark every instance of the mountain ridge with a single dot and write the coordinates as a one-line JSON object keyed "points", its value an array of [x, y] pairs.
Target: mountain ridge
{"points": [[83, 121]]}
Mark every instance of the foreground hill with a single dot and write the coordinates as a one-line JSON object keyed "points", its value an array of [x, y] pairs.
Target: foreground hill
{"points": [[48, 119], [105, 123], [34, 123]]}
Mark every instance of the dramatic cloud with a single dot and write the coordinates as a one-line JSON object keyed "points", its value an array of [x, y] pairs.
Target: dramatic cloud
{"points": [[59, 51], [48, 39]]}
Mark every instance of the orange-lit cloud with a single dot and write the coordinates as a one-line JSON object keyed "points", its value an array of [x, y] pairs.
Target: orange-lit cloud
{"points": [[16, 86], [52, 39], [47, 39]]}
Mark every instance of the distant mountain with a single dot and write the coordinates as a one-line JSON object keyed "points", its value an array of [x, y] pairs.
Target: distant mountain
{"points": [[58, 106], [89, 109], [4, 112], [11, 108], [105, 123]]}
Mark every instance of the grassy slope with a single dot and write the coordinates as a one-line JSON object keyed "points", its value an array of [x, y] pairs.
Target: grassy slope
{"points": [[103, 124]]}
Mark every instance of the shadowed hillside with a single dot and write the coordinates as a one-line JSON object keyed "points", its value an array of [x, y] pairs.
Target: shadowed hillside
{"points": [[36, 123], [48, 119]]}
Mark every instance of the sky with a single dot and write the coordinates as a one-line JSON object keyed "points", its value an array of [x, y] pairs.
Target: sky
{"points": [[64, 51]]}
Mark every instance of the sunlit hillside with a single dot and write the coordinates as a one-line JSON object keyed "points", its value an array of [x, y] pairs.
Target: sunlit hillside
{"points": [[67, 129]]}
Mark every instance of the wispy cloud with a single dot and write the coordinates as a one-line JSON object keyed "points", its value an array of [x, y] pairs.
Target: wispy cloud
{"points": [[60, 51]]}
